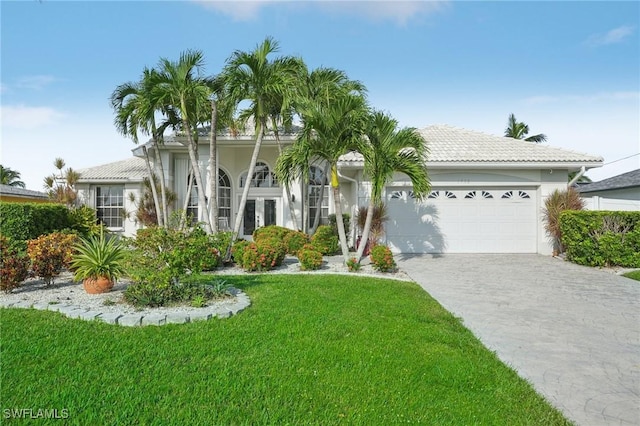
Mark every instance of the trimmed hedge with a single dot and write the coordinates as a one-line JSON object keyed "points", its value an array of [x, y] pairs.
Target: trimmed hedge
{"points": [[26, 221], [602, 238]]}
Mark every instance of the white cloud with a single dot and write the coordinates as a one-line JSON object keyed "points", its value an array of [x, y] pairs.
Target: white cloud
{"points": [[35, 82], [378, 10], [26, 117], [603, 96], [613, 36]]}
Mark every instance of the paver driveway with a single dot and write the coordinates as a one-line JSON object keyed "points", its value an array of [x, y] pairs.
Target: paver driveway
{"points": [[572, 331]]}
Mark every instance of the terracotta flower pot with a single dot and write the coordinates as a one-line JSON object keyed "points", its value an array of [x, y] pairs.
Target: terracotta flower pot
{"points": [[98, 285]]}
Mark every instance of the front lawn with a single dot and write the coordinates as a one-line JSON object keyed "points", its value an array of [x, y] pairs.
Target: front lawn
{"points": [[312, 349], [634, 275]]}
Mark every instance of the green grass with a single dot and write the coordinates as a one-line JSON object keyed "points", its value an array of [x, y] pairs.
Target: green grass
{"points": [[312, 349], [634, 275]]}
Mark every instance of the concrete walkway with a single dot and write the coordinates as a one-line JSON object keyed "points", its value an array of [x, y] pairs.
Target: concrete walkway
{"points": [[572, 331]]}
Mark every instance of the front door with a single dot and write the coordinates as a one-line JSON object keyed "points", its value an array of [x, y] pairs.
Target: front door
{"points": [[258, 212]]}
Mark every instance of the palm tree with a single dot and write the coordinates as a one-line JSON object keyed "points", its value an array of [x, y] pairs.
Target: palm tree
{"points": [[387, 150], [329, 131], [251, 77], [322, 86], [179, 89], [519, 130], [10, 177], [135, 110]]}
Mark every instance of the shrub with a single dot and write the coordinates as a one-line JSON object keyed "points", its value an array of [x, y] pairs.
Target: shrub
{"points": [[602, 238], [259, 257], [325, 241], [84, 221], [294, 241], [380, 216], [14, 266], [50, 254], [277, 245], [353, 265], [382, 259], [26, 221], [270, 231], [554, 205], [237, 251], [309, 259]]}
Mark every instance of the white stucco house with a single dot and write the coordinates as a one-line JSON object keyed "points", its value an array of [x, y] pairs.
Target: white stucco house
{"points": [[621, 192], [487, 191]]}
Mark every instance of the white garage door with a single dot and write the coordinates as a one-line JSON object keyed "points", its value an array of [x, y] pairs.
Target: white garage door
{"points": [[462, 221]]}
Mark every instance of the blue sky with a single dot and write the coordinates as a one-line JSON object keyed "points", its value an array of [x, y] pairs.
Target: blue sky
{"points": [[570, 70]]}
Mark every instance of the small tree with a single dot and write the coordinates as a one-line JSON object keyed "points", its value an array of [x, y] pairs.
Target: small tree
{"points": [[61, 187], [557, 202]]}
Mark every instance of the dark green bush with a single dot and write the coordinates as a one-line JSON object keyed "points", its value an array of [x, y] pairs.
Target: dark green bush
{"points": [[310, 260], [601, 238], [325, 240], [26, 221]]}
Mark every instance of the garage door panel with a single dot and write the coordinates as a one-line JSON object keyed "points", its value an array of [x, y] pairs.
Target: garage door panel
{"points": [[475, 221]]}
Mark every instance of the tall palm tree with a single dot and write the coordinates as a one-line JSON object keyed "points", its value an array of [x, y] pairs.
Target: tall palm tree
{"points": [[135, 110], [322, 86], [251, 77], [10, 177], [387, 150], [519, 130], [329, 131], [179, 87]]}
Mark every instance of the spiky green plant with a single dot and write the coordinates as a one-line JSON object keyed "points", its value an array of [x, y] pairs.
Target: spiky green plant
{"points": [[98, 257]]}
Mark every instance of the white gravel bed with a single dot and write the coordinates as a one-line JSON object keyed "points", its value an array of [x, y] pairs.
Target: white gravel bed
{"points": [[66, 292]]}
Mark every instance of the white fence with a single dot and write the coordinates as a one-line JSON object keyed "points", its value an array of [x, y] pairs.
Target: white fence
{"points": [[602, 203]]}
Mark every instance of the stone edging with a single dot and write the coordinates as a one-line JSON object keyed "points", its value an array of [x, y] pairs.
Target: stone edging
{"points": [[181, 316]]}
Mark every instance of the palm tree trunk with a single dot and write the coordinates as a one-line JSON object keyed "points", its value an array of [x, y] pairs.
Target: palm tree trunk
{"points": [[202, 202], [247, 184], [152, 184], [364, 238], [163, 188], [287, 189], [316, 219], [185, 205], [335, 184], [213, 169]]}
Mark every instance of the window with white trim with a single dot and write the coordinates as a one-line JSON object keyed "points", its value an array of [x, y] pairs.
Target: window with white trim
{"points": [[262, 177], [110, 205], [317, 180], [224, 199]]}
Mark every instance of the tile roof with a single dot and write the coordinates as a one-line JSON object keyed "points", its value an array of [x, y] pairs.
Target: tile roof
{"points": [[131, 169], [21, 192], [449, 144], [626, 180]]}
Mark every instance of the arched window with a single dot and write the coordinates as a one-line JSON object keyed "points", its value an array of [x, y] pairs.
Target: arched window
{"points": [[317, 180], [224, 200], [192, 207], [262, 177]]}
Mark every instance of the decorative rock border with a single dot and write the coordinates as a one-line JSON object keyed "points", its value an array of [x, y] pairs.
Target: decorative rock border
{"points": [[179, 316]]}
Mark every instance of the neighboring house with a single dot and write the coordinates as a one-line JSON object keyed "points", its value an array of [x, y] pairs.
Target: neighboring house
{"points": [[621, 192], [487, 191], [12, 194]]}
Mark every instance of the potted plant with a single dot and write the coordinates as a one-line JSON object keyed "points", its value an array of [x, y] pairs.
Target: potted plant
{"points": [[98, 263]]}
